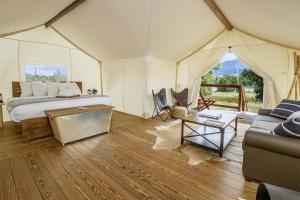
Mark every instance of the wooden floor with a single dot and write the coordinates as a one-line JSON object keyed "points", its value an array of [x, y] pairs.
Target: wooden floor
{"points": [[117, 165]]}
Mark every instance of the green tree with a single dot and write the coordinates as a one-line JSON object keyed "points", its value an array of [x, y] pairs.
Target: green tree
{"points": [[208, 78], [218, 67], [250, 79], [227, 79]]}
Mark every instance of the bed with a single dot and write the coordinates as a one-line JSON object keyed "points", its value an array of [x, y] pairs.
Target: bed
{"points": [[30, 111]]}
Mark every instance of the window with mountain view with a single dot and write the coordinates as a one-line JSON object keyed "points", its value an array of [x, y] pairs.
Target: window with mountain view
{"points": [[231, 70], [45, 72]]}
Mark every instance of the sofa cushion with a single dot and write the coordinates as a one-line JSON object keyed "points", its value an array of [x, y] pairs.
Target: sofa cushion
{"points": [[264, 125], [274, 143], [259, 130], [264, 111], [268, 118], [289, 128], [285, 108]]}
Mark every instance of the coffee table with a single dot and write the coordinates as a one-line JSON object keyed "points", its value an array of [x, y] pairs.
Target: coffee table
{"points": [[214, 134]]}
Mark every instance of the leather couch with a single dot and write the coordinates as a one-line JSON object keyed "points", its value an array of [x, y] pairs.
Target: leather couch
{"points": [[271, 158]]}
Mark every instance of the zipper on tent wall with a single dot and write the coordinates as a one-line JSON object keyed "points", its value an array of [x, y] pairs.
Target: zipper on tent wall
{"points": [[71, 65], [176, 77], [19, 67], [101, 77], [123, 71]]}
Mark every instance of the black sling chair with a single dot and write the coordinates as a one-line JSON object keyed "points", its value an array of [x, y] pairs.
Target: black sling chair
{"points": [[181, 98], [161, 107]]}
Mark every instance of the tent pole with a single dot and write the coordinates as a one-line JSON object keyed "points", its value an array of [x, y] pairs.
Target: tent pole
{"points": [[298, 77], [66, 10], [268, 41], [296, 89], [20, 31], [296, 74], [88, 54], [78, 47], [219, 14], [295, 70], [198, 49], [298, 64], [101, 77]]}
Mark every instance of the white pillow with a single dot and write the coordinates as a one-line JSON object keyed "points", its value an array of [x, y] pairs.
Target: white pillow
{"points": [[75, 89], [26, 90], [39, 89], [68, 89], [52, 88], [295, 114]]}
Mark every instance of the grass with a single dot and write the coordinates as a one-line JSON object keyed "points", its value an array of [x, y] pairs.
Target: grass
{"points": [[231, 98]]}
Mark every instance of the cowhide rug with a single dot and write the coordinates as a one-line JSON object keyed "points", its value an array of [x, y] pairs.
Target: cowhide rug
{"points": [[168, 138]]}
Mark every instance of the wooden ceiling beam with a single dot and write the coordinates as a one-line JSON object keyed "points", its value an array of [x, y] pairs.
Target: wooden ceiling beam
{"points": [[219, 14], [66, 10]]}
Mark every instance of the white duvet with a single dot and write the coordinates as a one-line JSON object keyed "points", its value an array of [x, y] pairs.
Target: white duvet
{"points": [[35, 110]]}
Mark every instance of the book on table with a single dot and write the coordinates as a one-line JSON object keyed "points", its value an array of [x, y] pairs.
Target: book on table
{"points": [[211, 122], [210, 115]]}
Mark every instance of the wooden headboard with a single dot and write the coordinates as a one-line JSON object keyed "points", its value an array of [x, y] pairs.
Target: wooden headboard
{"points": [[16, 88]]}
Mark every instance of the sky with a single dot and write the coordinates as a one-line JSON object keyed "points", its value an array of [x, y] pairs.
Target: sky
{"points": [[228, 56], [46, 70]]}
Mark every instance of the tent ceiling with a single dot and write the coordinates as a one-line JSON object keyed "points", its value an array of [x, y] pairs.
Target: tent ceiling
{"points": [[275, 20], [168, 29], [16, 15], [124, 29]]}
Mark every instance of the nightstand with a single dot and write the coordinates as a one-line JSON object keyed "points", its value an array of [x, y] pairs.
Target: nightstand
{"points": [[1, 113]]}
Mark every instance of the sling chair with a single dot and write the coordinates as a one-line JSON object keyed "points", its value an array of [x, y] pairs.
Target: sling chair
{"points": [[204, 103], [181, 98], [161, 106]]}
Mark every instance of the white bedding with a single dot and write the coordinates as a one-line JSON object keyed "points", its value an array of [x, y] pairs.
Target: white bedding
{"points": [[34, 110]]}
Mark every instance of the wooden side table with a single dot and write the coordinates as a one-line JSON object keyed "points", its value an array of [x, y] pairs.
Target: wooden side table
{"points": [[1, 113]]}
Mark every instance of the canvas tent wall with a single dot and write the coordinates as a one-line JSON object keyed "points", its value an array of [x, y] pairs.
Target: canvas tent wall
{"points": [[274, 63], [126, 34], [43, 46], [130, 83]]}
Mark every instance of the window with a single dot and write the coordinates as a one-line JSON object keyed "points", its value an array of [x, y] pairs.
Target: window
{"points": [[46, 72]]}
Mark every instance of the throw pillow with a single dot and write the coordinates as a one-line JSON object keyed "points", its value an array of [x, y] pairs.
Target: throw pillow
{"points": [[68, 89], [289, 128], [75, 89], [285, 108], [52, 88], [26, 90], [39, 89], [295, 114]]}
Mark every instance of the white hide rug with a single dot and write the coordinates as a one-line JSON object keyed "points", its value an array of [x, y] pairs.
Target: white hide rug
{"points": [[168, 137]]}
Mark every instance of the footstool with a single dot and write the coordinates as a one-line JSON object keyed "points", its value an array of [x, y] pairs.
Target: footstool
{"points": [[179, 112]]}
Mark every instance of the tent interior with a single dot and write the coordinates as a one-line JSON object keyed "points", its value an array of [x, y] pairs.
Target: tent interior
{"points": [[125, 49]]}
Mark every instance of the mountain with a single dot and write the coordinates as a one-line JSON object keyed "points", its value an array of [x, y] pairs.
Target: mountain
{"points": [[229, 67]]}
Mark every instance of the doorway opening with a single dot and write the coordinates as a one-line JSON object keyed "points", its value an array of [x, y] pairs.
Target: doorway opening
{"points": [[231, 71]]}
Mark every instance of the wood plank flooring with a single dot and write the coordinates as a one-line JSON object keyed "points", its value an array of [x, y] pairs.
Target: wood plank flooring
{"points": [[117, 165]]}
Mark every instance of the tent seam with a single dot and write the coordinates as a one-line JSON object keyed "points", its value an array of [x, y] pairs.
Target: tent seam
{"points": [[20, 31]]}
